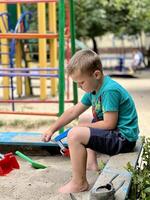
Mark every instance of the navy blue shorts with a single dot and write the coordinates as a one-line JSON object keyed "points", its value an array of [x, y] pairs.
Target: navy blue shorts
{"points": [[109, 142]]}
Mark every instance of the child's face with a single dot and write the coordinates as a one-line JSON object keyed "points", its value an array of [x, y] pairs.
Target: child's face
{"points": [[86, 82]]}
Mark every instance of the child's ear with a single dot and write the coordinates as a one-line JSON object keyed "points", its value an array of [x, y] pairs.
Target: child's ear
{"points": [[97, 74]]}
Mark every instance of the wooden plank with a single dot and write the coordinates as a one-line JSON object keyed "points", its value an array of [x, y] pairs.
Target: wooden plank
{"points": [[116, 165], [24, 138]]}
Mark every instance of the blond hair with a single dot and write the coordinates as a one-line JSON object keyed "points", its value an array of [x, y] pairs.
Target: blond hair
{"points": [[84, 61]]}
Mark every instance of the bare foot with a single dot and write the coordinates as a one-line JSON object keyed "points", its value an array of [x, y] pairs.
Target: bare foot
{"points": [[72, 187]]}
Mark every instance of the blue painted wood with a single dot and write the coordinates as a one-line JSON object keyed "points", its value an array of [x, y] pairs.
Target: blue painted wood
{"points": [[23, 138]]}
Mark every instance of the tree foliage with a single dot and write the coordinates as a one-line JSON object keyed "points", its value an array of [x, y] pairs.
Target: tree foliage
{"points": [[90, 18], [121, 17]]}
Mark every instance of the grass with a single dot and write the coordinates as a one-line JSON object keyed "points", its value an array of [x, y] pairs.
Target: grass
{"points": [[2, 123], [26, 124]]}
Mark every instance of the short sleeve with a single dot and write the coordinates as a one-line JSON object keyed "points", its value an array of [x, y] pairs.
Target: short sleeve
{"points": [[111, 101], [86, 99]]}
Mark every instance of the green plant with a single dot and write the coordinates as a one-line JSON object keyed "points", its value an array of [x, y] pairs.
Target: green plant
{"points": [[2, 123], [25, 123], [101, 165], [16, 123], [140, 186]]}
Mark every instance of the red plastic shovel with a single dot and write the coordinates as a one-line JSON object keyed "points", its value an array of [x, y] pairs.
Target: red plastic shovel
{"points": [[8, 162]]}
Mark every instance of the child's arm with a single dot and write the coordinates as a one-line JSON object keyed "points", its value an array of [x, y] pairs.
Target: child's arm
{"points": [[69, 115], [109, 122]]}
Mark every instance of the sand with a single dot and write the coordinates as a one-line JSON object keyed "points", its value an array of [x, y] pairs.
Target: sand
{"points": [[42, 184]]}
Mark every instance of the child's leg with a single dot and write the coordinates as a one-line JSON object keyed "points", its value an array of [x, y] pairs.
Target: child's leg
{"points": [[91, 155], [91, 160], [77, 138]]}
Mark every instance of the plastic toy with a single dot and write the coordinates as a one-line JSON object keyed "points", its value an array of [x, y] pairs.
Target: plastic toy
{"points": [[34, 164], [63, 149], [8, 162]]}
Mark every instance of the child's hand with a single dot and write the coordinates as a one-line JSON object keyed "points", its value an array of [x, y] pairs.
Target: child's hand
{"points": [[47, 136]]}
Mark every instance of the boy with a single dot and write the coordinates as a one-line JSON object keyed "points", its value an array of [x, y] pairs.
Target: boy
{"points": [[114, 127]]}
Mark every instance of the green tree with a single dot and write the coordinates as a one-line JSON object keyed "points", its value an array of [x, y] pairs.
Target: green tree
{"points": [[90, 20], [121, 17]]}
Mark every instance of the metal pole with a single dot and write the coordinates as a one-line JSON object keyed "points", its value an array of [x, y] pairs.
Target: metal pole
{"points": [[72, 30], [53, 45], [61, 56], [42, 46]]}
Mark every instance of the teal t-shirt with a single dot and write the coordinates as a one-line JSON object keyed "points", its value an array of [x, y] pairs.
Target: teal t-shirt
{"points": [[112, 97]]}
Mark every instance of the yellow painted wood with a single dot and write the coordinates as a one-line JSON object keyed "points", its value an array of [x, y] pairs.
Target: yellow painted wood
{"points": [[18, 11], [4, 58], [42, 46], [53, 45], [19, 65], [18, 56], [27, 81]]}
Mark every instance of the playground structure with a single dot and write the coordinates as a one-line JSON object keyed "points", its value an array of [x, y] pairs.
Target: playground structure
{"points": [[119, 63], [14, 52]]}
